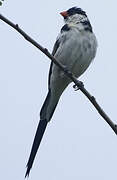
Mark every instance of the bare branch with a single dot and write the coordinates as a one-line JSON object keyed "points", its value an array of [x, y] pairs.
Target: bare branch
{"points": [[78, 84]]}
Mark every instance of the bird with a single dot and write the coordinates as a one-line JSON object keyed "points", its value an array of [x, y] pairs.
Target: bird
{"points": [[75, 48]]}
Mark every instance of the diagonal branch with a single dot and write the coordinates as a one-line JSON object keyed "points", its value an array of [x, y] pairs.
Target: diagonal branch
{"points": [[78, 84]]}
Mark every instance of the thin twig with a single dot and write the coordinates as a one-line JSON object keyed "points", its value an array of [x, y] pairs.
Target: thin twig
{"points": [[66, 71]]}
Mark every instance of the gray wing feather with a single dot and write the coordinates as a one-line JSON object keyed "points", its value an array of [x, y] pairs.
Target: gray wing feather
{"points": [[56, 46]]}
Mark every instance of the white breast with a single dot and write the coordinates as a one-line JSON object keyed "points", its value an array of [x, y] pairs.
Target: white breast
{"points": [[76, 51], [87, 50]]}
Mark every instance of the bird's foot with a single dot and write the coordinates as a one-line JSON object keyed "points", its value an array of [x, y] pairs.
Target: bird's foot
{"points": [[76, 88]]}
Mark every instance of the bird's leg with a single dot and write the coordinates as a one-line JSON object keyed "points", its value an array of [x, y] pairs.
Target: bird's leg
{"points": [[76, 88]]}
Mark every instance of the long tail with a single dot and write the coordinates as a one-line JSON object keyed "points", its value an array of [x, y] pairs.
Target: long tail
{"points": [[38, 137], [45, 116]]}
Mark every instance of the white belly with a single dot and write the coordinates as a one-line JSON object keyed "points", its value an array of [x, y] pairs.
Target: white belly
{"points": [[76, 54]]}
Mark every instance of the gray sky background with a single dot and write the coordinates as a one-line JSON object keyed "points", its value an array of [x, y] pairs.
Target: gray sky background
{"points": [[78, 144]]}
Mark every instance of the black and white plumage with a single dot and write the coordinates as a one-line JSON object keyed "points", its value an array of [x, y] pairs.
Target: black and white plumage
{"points": [[75, 48]]}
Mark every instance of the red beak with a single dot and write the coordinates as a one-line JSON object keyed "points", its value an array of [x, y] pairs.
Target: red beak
{"points": [[64, 14]]}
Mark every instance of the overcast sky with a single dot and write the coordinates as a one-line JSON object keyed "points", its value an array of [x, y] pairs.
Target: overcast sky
{"points": [[78, 144]]}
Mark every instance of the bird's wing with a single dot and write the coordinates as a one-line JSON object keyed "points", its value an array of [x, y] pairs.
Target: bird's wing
{"points": [[56, 46]]}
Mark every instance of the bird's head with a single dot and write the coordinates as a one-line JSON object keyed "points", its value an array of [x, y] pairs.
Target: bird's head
{"points": [[74, 14]]}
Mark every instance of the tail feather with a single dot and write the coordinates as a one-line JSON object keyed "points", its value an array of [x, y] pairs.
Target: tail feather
{"points": [[46, 113], [43, 111], [38, 137], [49, 106]]}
